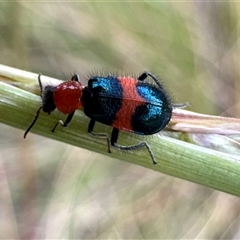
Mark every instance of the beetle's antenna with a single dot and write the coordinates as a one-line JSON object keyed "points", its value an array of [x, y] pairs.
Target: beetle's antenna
{"points": [[33, 122]]}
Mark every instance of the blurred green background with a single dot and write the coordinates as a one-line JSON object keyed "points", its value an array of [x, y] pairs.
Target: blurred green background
{"points": [[51, 190]]}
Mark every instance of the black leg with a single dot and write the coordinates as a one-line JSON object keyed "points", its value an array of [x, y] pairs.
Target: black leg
{"points": [[181, 105], [64, 124], [114, 138], [99, 135], [91, 125], [144, 75], [75, 77]]}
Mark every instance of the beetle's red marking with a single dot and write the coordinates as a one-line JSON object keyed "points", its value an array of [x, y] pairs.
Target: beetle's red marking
{"points": [[130, 100], [67, 96]]}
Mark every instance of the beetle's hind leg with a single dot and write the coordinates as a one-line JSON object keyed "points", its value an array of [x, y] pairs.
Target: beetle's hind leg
{"points": [[114, 138], [113, 141]]}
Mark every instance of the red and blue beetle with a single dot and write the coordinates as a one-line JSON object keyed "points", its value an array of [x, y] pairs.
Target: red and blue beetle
{"points": [[125, 103]]}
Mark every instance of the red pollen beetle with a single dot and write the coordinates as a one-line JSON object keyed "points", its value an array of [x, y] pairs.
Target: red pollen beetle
{"points": [[125, 103], [65, 97]]}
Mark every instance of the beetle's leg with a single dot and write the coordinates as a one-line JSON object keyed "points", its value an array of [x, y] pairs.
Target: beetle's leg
{"points": [[75, 77], [144, 75], [114, 138], [64, 124], [99, 135]]}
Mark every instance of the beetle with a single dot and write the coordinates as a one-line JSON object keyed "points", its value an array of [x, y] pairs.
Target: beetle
{"points": [[124, 103]]}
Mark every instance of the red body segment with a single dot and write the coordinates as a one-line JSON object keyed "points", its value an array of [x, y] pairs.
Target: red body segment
{"points": [[67, 96], [130, 101]]}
